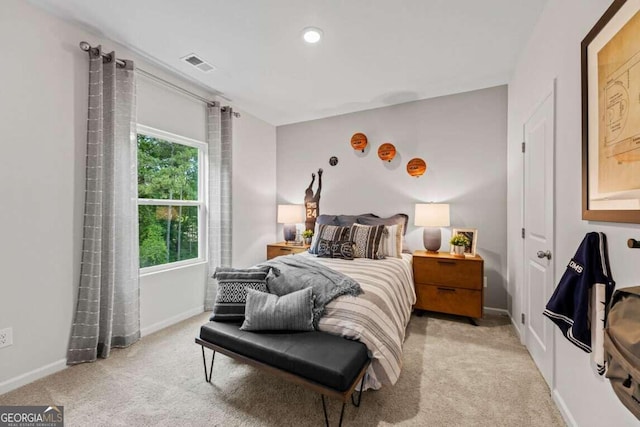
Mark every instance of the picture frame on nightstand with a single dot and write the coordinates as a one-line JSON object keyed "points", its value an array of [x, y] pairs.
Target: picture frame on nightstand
{"points": [[472, 235]]}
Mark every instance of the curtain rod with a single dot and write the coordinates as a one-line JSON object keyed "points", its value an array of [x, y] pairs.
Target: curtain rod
{"points": [[87, 47]]}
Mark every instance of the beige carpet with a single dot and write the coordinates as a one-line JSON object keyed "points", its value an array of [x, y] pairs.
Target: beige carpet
{"points": [[454, 374]]}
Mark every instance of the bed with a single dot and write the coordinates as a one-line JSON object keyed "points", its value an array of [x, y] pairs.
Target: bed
{"points": [[378, 317], [368, 251]]}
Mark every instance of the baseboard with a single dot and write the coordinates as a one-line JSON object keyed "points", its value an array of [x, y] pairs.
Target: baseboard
{"points": [[564, 411], [148, 330], [491, 310], [31, 376], [517, 329], [52, 368]]}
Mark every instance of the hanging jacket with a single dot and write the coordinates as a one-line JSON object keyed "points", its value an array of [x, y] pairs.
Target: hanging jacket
{"points": [[580, 300]]}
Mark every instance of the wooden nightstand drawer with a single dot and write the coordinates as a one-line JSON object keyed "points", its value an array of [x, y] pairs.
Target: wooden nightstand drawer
{"points": [[445, 299], [458, 273], [278, 249]]}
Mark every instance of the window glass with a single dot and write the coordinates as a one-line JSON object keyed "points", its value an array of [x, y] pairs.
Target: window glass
{"points": [[169, 204], [166, 170]]}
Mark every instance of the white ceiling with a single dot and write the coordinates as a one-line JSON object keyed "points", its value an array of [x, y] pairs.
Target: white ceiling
{"points": [[374, 52]]}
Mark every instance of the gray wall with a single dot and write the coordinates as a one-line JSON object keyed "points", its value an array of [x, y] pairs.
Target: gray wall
{"points": [[463, 139]]}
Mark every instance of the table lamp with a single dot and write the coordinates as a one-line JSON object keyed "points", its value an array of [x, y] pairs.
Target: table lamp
{"points": [[290, 215], [432, 216]]}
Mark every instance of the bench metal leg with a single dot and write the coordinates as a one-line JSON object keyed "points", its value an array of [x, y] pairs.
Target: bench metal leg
{"points": [[204, 361], [326, 418], [324, 409], [357, 405]]}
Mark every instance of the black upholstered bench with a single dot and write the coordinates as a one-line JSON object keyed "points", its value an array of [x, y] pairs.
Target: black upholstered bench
{"points": [[328, 364]]}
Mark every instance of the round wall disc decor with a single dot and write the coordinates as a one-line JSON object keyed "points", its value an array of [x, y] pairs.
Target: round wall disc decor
{"points": [[387, 151], [416, 167], [333, 161], [359, 141]]}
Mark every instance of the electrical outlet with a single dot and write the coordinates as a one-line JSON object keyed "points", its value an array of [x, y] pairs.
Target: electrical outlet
{"points": [[484, 281], [6, 337]]}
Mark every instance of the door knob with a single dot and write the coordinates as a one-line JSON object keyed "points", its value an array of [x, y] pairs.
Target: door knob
{"points": [[545, 254]]}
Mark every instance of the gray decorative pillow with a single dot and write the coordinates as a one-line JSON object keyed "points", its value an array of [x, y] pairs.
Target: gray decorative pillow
{"points": [[269, 312], [327, 220], [327, 232], [233, 284], [366, 239], [349, 220]]}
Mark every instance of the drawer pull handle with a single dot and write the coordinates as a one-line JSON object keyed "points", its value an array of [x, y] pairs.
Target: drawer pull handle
{"points": [[447, 262], [286, 249], [446, 289]]}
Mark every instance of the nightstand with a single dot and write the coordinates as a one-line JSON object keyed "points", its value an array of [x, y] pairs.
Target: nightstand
{"points": [[282, 248], [449, 284]]}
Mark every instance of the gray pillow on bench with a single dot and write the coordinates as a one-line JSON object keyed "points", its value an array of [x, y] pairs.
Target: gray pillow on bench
{"points": [[269, 312]]}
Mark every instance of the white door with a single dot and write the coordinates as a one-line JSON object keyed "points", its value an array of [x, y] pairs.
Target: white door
{"points": [[538, 154]]}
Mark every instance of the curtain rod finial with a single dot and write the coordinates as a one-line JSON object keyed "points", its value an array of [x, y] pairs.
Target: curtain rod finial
{"points": [[85, 46]]}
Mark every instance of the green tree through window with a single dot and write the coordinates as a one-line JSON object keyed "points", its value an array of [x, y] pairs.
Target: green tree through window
{"points": [[169, 207]]}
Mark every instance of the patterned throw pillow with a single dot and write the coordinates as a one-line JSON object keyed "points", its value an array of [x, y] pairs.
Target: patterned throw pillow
{"points": [[327, 232], [392, 220], [269, 312], [232, 291], [367, 240], [339, 249]]}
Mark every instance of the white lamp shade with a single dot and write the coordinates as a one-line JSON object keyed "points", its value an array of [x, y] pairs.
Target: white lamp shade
{"points": [[432, 215], [290, 214]]}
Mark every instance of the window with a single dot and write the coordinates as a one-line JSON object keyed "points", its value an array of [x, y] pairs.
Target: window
{"points": [[170, 199]]}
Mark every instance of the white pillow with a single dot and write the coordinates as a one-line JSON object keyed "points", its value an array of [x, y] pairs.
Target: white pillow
{"points": [[391, 242]]}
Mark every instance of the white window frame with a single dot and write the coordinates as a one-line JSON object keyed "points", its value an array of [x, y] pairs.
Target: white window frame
{"points": [[201, 203]]}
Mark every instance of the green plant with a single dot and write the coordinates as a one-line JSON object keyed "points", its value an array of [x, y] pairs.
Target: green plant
{"points": [[460, 240], [307, 234]]}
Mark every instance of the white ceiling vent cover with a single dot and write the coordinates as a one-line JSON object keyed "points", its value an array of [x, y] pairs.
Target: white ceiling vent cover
{"points": [[198, 62]]}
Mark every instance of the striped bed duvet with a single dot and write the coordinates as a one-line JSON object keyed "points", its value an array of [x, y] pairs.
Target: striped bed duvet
{"points": [[378, 317]]}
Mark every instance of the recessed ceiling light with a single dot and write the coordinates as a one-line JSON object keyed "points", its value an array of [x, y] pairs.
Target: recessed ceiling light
{"points": [[312, 35]]}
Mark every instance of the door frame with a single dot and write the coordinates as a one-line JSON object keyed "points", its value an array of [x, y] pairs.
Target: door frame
{"points": [[550, 91]]}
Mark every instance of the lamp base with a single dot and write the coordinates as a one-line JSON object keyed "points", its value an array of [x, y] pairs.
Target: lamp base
{"points": [[289, 232], [432, 238]]}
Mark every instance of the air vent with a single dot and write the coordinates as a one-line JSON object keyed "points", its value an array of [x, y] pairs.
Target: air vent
{"points": [[198, 62]]}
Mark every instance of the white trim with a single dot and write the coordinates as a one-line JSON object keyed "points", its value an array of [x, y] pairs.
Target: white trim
{"points": [[564, 410], [516, 326], [148, 330], [492, 310], [57, 366], [200, 203], [169, 202], [31, 376], [203, 196], [178, 265], [524, 290], [171, 137]]}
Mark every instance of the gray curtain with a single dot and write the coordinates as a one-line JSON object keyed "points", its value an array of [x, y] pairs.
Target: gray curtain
{"points": [[108, 310], [219, 139]]}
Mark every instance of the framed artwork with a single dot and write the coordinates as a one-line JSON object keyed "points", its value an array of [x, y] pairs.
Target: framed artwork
{"points": [[611, 116], [472, 235]]}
